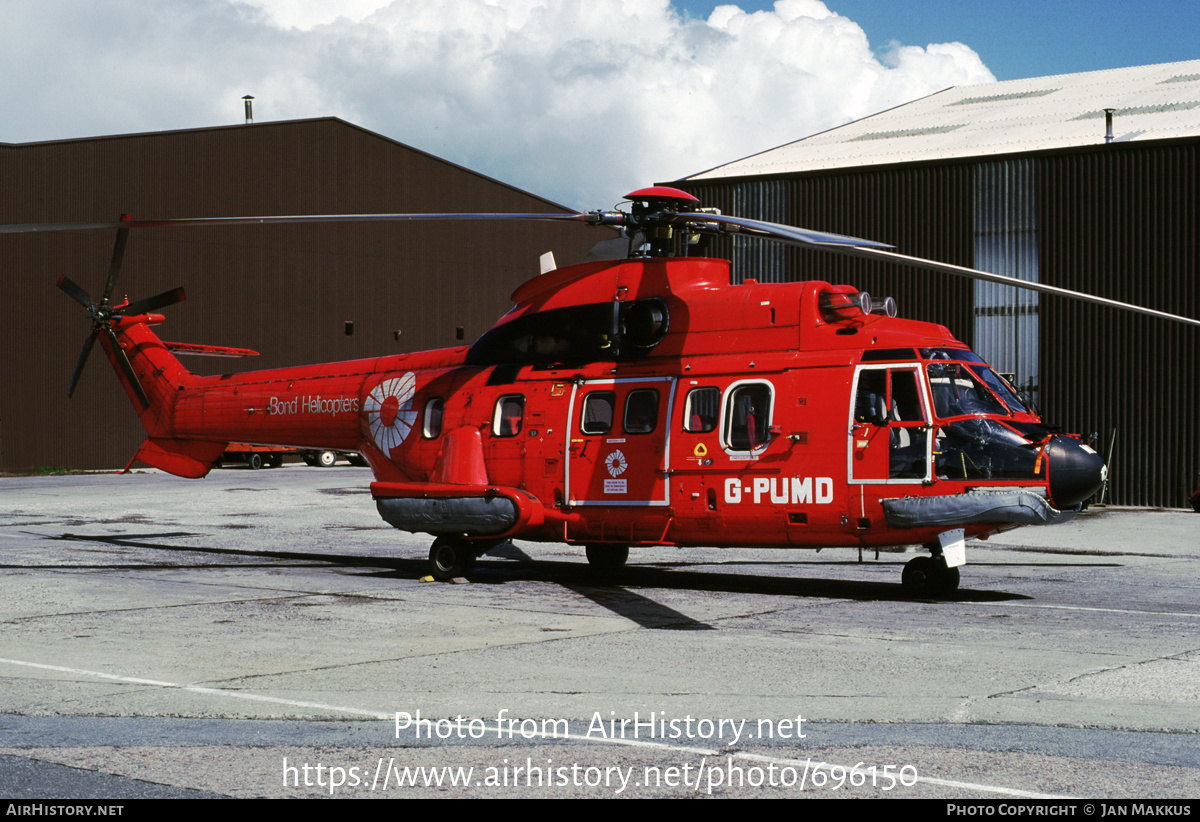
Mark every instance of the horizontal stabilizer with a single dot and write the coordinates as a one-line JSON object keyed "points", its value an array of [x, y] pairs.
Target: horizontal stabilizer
{"points": [[208, 350]]}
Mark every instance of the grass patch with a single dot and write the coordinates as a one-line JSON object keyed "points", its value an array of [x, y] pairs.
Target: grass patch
{"points": [[47, 471]]}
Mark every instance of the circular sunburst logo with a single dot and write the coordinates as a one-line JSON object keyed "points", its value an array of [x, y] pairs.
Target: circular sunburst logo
{"points": [[390, 414], [616, 463]]}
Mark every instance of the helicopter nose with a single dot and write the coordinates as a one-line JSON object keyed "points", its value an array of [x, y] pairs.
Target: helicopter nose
{"points": [[1076, 472]]}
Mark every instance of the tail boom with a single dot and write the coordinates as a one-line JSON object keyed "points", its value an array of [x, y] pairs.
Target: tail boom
{"points": [[190, 420]]}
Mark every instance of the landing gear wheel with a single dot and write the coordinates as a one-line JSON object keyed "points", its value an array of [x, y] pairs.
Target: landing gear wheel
{"points": [[948, 582], [926, 576], [450, 557], [254, 461], [326, 458], [607, 557]]}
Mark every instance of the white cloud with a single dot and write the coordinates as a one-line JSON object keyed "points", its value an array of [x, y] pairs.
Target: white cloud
{"points": [[577, 100], [305, 14]]}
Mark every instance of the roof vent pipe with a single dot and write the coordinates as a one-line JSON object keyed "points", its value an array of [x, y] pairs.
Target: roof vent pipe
{"points": [[250, 111], [1108, 135]]}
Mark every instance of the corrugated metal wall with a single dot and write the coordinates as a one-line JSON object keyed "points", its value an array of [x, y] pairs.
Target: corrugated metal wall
{"points": [[1119, 220], [1006, 242], [760, 200], [283, 290], [923, 212]]}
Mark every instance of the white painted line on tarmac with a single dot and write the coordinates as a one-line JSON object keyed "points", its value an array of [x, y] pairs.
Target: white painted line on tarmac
{"points": [[1100, 610], [636, 743], [198, 689], [971, 786]]}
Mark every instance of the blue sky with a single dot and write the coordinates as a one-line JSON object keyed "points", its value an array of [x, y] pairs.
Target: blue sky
{"points": [[1026, 38]]}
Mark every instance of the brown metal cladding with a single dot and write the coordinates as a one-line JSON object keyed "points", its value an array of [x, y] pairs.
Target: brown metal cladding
{"points": [[1118, 220], [924, 212], [286, 291], [1121, 221]]}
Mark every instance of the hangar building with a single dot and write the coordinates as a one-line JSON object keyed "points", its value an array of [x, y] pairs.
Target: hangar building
{"points": [[1089, 182], [287, 291]]}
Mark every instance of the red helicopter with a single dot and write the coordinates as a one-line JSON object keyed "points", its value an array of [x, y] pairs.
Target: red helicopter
{"points": [[643, 401]]}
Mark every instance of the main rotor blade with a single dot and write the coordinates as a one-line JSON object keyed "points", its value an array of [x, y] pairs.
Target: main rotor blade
{"points": [[879, 254], [175, 295], [192, 222], [75, 292], [83, 358], [785, 233], [839, 244], [836, 243], [127, 367]]}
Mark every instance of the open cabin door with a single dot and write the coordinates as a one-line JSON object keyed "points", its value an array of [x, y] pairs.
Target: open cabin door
{"points": [[889, 426], [618, 435]]}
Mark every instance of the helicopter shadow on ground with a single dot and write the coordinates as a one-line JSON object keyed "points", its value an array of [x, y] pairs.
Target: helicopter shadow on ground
{"points": [[508, 563], [304, 558], [612, 589], [633, 606]]}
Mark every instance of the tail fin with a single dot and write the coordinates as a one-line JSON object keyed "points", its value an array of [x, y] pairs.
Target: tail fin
{"points": [[149, 372], [153, 378]]}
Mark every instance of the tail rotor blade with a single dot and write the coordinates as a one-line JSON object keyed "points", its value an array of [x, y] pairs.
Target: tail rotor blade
{"points": [[114, 267], [75, 292], [83, 358], [127, 367], [175, 295]]}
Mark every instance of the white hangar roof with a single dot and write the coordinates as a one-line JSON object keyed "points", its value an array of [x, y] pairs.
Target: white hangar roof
{"points": [[1151, 103]]}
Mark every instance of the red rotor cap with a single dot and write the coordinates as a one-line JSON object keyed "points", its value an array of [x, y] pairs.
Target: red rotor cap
{"points": [[661, 193]]}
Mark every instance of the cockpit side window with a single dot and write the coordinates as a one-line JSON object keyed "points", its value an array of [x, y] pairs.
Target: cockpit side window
{"points": [[870, 402], [906, 397]]}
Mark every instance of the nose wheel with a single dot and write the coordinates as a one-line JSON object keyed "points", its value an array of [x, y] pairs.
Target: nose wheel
{"points": [[607, 557], [929, 576]]}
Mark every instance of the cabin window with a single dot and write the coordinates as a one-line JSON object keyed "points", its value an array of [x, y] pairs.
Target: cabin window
{"points": [[598, 412], [432, 427], [641, 411], [509, 414], [701, 410], [747, 416]]}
